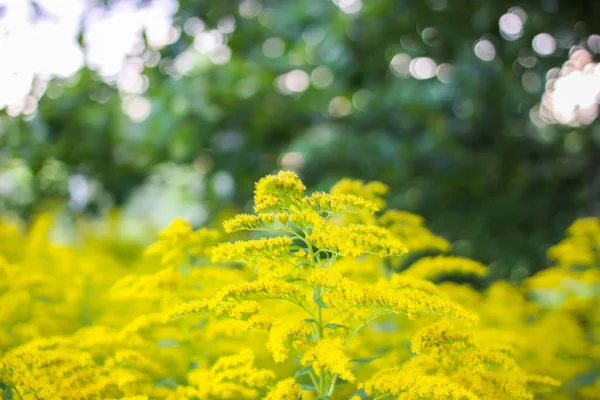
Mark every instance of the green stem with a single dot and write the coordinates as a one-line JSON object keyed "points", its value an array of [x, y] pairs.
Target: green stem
{"points": [[313, 379], [361, 326], [323, 390], [332, 387], [18, 393], [319, 322], [338, 313], [322, 385], [305, 308], [323, 375]]}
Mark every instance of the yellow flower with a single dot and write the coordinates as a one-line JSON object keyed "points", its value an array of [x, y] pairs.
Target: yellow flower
{"points": [[336, 204], [142, 322], [354, 240], [412, 302], [248, 222], [409, 228], [581, 246], [178, 240], [373, 191], [86, 320], [230, 377], [285, 334], [307, 219], [327, 356], [439, 334], [409, 301], [235, 310], [434, 267], [398, 281], [261, 289], [178, 228], [286, 389], [396, 217], [589, 226], [244, 250], [277, 192], [332, 280], [396, 381]]}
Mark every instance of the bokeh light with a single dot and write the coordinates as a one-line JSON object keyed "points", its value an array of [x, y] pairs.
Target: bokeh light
{"points": [[400, 65], [273, 47], [339, 107], [593, 43], [484, 50], [445, 72], [362, 98], [39, 44], [511, 23], [422, 68], [544, 44], [137, 108], [349, 6], [572, 92], [293, 161], [295, 81], [321, 77]]}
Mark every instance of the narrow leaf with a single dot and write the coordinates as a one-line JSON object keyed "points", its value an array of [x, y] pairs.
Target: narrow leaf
{"points": [[317, 300], [303, 371], [333, 326], [364, 360]]}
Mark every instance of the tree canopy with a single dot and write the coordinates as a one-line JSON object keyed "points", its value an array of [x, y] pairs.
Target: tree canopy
{"points": [[476, 113]]}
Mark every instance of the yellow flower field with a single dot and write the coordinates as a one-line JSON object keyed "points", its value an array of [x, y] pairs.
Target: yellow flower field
{"points": [[315, 296]]}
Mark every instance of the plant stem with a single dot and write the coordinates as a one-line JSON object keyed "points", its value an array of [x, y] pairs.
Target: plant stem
{"points": [[322, 386], [320, 322], [332, 387], [323, 391], [313, 379], [18, 393]]}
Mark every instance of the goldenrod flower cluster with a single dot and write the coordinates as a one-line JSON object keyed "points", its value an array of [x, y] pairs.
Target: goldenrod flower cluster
{"points": [[327, 356], [434, 267], [374, 191], [179, 241], [285, 389], [315, 296], [335, 204], [278, 191], [230, 377], [250, 249]]}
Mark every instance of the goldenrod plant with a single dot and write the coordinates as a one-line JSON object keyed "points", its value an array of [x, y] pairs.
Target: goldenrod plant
{"points": [[313, 296]]}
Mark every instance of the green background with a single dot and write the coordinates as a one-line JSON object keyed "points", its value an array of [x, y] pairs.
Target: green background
{"points": [[462, 153]]}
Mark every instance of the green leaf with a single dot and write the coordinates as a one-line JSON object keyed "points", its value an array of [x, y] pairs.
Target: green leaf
{"points": [[333, 326], [319, 302], [301, 264], [303, 371], [309, 320], [364, 360], [305, 386]]}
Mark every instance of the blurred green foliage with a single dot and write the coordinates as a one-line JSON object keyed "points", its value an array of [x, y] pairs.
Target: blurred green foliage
{"points": [[463, 152]]}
